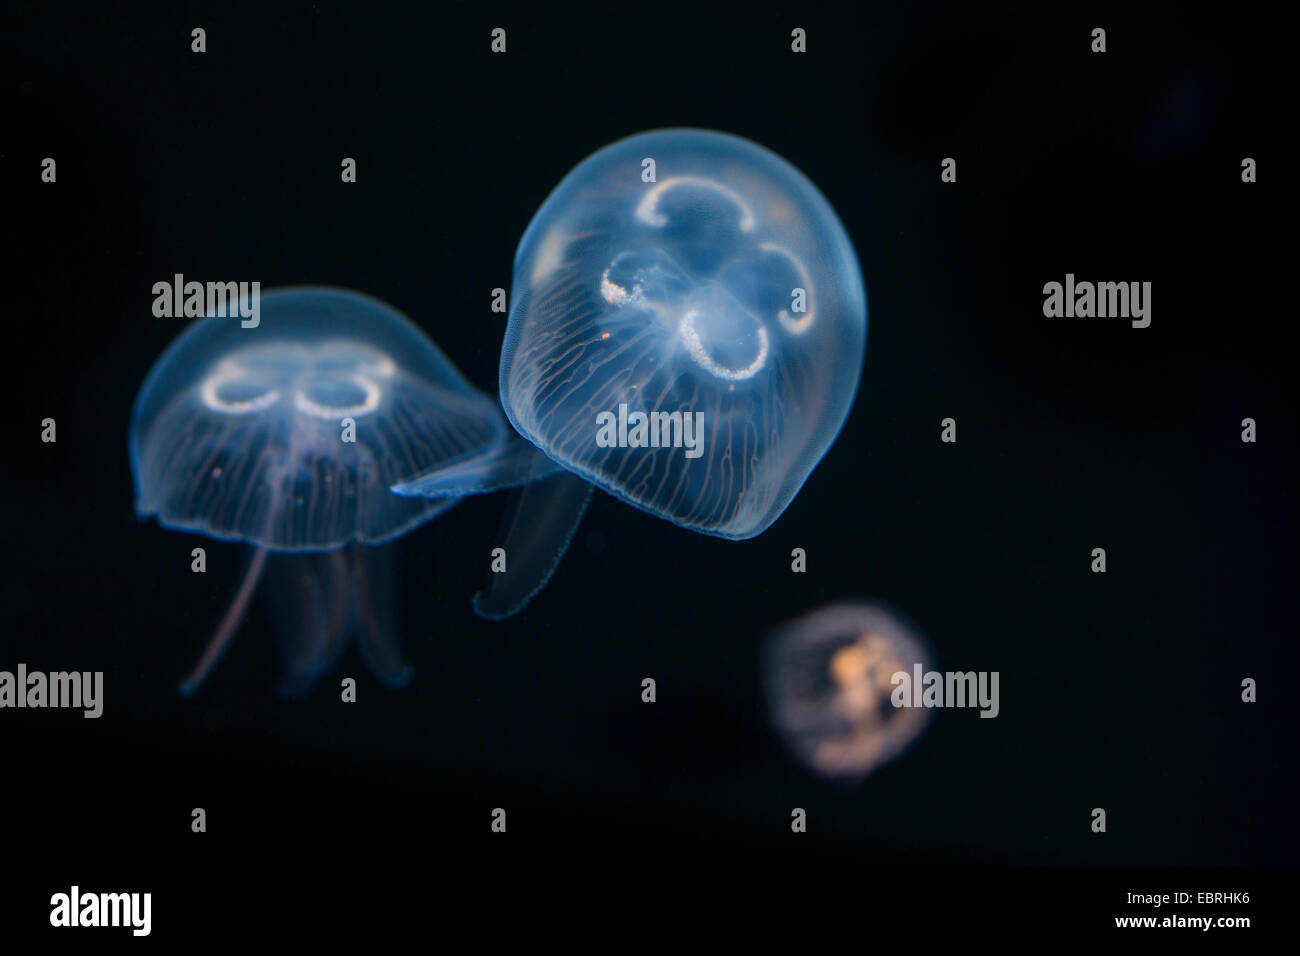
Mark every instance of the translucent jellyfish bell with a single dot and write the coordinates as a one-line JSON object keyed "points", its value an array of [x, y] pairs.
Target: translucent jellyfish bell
{"points": [[237, 433], [288, 436], [687, 331], [725, 287], [832, 681]]}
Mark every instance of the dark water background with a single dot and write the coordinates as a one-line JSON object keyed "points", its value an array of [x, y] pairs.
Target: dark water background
{"points": [[1118, 690]]}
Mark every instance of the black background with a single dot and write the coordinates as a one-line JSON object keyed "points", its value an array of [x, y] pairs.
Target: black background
{"points": [[1118, 690]]}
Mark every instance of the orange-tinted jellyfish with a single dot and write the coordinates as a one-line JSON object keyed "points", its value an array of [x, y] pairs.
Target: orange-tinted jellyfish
{"points": [[830, 684]]}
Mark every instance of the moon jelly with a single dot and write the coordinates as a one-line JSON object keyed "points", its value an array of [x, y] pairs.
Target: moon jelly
{"points": [[687, 330], [288, 436], [830, 681]]}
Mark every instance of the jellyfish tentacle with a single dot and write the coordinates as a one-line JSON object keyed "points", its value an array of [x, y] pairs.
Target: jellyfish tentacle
{"points": [[230, 622], [235, 611]]}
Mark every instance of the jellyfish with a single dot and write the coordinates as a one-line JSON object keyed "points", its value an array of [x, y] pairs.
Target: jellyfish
{"points": [[834, 691], [288, 436], [686, 332]]}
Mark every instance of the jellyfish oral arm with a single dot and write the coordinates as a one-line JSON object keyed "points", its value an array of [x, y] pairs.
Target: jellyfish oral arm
{"points": [[234, 616], [511, 463], [377, 639], [311, 611], [546, 516]]}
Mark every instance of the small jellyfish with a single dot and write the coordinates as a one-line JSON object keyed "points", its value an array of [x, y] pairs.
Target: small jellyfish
{"points": [[833, 691], [288, 436], [687, 330]]}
